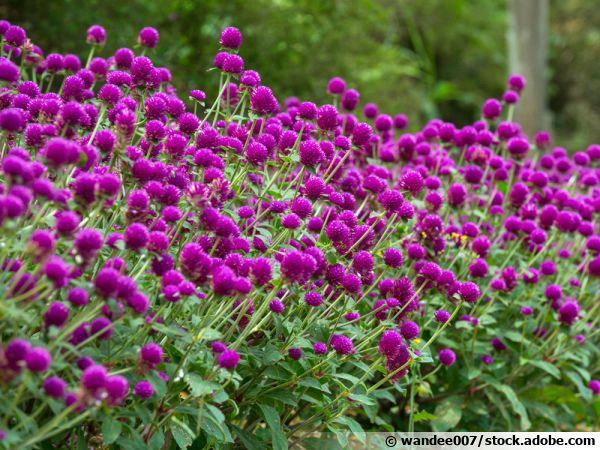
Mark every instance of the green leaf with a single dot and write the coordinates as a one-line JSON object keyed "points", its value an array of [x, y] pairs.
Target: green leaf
{"points": [[423, 416], [249, 440], [111, 429], [182, 434], [352, 425], [448, 414], [278, 440], [515, 403], [547, 367], [200, 387]]}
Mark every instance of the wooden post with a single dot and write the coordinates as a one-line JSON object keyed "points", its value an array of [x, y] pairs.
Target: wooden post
{"points": [[528, 52]]}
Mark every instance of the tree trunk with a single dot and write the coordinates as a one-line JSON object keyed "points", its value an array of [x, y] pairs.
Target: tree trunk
{"points": [[528, 51]]}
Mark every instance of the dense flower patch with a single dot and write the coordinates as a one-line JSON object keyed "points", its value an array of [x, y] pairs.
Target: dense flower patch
{"points": [[248, 270]]}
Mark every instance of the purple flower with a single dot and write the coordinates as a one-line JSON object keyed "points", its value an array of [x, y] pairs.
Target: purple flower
{"points": [[151, 354], [342, 344], [447, 357], [231, 37], [228, 359], [320, 348], [143, 389], [148, 37], [409, 330], [55, 387], [38, 359], [96, 35], [295, 353]]}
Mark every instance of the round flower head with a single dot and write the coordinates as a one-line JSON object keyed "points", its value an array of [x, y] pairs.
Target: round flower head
{"points": [[16, 351], [313, 298], [469, 292], [148, 37], [228, 359], [231, 37], [336, 86], [277, 306], [320, 348], [390, 343], [151, 354], [594, 385], [94, 377], [56, 314], [96, 35], [409, 330], [393, 257], [295, 353], [38, 359], [442, 316], [117, 388], [55, 387], [143, 389], [447, 357], [342, 344]]}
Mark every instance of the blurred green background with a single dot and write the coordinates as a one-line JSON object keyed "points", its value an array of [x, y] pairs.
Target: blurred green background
{"points": [[425, 58]]}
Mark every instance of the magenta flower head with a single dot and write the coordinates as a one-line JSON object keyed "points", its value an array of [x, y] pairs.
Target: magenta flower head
{"points": [[262, 101], [393, 257], [96, 35], [390, 343], [594, 385], [492, 109], [310, 153], [56, 314], [38, 359], [117, 388], [342, 344], [107, 282], [15, 36], [442, 316], [277, 306], [55, 387], [88, 242], [16, 351], [516, 82], [320, 348], [327, 117], [136, 236], [94, 378], [336, 86], [447, 357], [228, 359], [143, 389], [148, 37], [410, 330], [9, 71], [151, 354], [469, 292], [231, 37], [295, 353], [313, 298]]}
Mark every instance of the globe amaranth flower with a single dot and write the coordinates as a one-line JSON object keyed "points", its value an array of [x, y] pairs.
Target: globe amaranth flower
{"points": [[410, 330], [117, 388], [320, 348], [228, 359], [390, 343], [151, 354], [342, 344], [143, 389], [148, 37], [231, 38], [96, 35], [54, 387], [447, 357], [38, 359], [469, 292]]}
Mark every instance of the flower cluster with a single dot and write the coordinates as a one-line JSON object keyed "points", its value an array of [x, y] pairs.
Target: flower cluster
{"points": [[189, 261]]}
